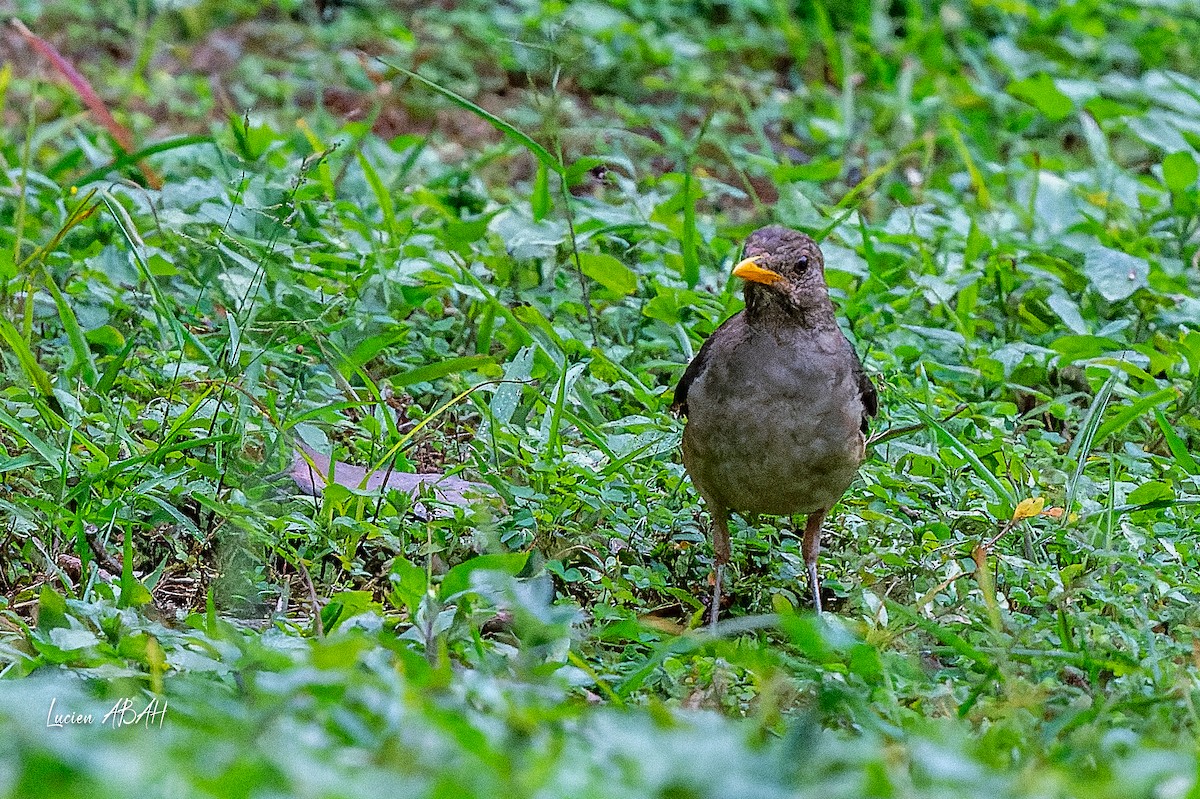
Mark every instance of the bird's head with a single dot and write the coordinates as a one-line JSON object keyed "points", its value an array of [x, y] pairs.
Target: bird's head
{"points": [[784, 273]]}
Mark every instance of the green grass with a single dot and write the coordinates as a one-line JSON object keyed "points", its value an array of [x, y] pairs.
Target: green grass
{"points": [[486, 240]]}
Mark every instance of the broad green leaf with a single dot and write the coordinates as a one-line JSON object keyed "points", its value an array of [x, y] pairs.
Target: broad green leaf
{"points": [[1113, 274], [409, 583], [1152, 491], [52, 609], [458, 579], [664, 307], [345, 605], [504, 401], [1068, 310], [1040, 92], [107, 337], [1180, 171], [1077, 348], [608, 272]]}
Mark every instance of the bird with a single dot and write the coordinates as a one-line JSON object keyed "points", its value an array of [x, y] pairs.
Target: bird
{"points": [[776, 401]]}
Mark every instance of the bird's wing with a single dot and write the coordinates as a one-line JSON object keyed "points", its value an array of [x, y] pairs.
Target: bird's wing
{"points": [[697, 366]]}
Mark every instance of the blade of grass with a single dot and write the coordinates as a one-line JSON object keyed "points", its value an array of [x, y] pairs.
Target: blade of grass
{"points": [[553, 444], [1158, 504], [162, 307], [1176, 444], [1003, 494], [109, 378], [956, 643], [1135, 411], [403, 442], [5, 79], [18, 224], [977, 181], [26, 358], [384, 197], [50, 455], [1082, 445], [539, 152], [82, 210], [134, 464], [687, 241], [131, 159], [81, 352], [539, 203], [425, 374]]}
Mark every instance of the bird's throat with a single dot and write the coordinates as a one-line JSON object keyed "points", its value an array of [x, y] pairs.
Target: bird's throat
{"points": [[772, 309]]}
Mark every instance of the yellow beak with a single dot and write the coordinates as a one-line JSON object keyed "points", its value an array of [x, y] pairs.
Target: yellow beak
{"points": [[749, 270]]}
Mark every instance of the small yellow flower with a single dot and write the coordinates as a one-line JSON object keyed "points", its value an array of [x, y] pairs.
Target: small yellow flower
{"points": [[1028, 508]]}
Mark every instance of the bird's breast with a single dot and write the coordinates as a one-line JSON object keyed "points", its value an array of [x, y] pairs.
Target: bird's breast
{"points": [[774, 426]]}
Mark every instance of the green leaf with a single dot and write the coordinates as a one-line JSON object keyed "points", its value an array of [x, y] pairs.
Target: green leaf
{"points": [[608, 272], [409, 583], [50, 455], [1040, 92], [133, 593], [581, 167], [52, 609], [1153, 491], [126, 159], [109, 378], [666, 306], [346, 605], [1180, 171], [1113, 274], [382, 196], [433, 371], [19, 462], [1068, 310], [1077, 348], [508, 394], [458, 579], [106, 337]]}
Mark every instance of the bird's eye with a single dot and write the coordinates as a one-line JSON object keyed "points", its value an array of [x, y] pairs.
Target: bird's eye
{"points": [[803, 262]]}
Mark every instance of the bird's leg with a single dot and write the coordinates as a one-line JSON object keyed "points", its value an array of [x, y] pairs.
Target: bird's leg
{"points": [[812, 548], [720, 535]]}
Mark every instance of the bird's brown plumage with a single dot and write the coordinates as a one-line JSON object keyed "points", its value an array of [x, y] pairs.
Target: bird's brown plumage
{"points": [[777, 401]]}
